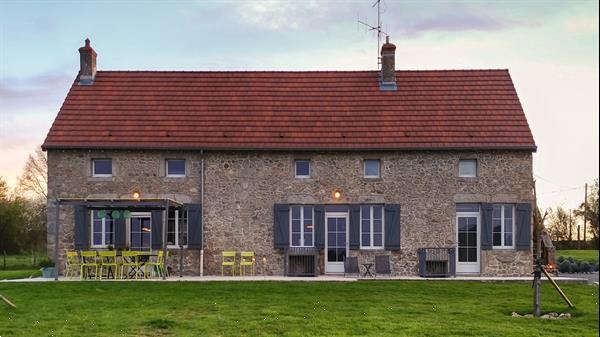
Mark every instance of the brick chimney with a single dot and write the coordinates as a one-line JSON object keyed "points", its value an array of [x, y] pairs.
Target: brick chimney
{"points": [[87, 64], [387, 80]]}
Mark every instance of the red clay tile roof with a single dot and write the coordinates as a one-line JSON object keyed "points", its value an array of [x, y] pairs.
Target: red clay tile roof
{"points": [[457, 109]]}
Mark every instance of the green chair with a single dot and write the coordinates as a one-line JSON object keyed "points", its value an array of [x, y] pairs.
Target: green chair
{"points": [[108, 260], [130, 261], [158, 265], [73, 264], [246, 260], [88, 260], [228, 260]]}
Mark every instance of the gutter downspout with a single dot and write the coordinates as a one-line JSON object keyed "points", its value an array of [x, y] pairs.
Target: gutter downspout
{"points": [[202, 213]]}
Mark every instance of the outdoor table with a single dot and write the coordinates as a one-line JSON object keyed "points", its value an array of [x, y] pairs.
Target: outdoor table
{"points": [[367, 269], [143, 257]]}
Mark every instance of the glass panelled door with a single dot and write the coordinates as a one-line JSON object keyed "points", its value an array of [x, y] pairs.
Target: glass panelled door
{"points": [[468, 243], [140, 232], [336, 244]]}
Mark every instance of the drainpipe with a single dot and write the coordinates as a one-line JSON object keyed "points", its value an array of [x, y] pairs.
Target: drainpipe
{"points": [[56, 237], [202, 213]]}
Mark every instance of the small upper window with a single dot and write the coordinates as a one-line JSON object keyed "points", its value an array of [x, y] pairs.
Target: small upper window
{"points": [[372, 168], [175, 167], [302, 168], [102, 167], [467, 168]]}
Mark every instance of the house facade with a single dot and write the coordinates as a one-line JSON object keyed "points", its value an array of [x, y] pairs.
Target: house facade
{"points": [[345, 163]]}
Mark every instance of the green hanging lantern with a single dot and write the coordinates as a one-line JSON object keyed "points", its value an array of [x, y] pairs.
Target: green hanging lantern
{"points": [[126, 214], [101, 214], [116, 214]]}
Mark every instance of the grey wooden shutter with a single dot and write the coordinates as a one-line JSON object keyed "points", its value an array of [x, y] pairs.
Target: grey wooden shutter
{"points": [[319, 226], [82, 228], [157, 221], [194, 218], [392, 227], [523, 238], [281, 225], [354, 228], [486, 226], [120, 228]]}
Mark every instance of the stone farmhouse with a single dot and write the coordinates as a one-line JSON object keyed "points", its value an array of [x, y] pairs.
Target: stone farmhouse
{"points": [[328, 164]]}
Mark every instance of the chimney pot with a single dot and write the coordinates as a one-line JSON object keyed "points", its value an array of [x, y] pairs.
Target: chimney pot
{"points": [[87, 64], [388, 72]]}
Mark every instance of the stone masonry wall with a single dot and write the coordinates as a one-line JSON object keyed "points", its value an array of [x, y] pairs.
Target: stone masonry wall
{"points": [[241, 188]]}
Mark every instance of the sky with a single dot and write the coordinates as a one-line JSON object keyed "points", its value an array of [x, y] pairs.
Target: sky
{"points": [[549, 47]]}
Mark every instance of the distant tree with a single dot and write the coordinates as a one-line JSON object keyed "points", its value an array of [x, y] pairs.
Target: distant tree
{"points": [[592, 211], [11, 219], [33, 182], [558, 224]]}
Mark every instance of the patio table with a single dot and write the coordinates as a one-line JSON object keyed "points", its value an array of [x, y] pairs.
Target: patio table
{"points": [[367, 269], [143, 257]]}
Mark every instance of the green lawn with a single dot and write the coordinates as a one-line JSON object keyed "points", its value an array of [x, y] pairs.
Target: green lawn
{"points": [[17, 274], [588, 255], [375, 308]]}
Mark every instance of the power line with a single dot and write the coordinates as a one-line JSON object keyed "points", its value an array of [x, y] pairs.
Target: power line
{"points": [[551, 182]]}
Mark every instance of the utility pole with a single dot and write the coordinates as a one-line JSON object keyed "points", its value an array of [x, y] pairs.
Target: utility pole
{"points": [[585, 212], [578, 242]]}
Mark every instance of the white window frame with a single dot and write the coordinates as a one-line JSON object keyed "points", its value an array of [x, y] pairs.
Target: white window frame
{"points": [[104, 244], [503, 246], [378, 168], [128, 223], [296, 169], [175, 175], [371, 225], [177, 218], [474, 161], [302, 243], [101, 175]]}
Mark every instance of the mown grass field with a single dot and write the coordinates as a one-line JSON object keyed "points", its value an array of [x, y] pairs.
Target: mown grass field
{"points": [[588, 255], [364, 308], [20, 266]]}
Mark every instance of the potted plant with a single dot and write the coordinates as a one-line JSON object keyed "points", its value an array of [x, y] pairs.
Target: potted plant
{"points": [[47, 268]]}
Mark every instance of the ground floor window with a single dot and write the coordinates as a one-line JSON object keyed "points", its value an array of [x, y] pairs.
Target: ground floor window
{"points": [[503, 226], [177, 228], [103, 230], [140, 233], [371, 226], [301, 224]]}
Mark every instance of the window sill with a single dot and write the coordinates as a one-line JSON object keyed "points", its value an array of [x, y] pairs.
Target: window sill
{"points": [[372, 179], [100, 178], [175, 176], [502, 248], [468, 179], [373, 248]]}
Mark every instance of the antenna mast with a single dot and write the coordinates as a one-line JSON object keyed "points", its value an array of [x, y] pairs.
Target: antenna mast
{"points": [[377, 28]]}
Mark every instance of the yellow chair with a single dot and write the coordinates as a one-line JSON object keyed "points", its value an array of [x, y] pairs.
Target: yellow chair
{"points": [[108, 259], [158, 264], [88, 260], [130, 261], [73, 263], [228, 260], [246, 260]]}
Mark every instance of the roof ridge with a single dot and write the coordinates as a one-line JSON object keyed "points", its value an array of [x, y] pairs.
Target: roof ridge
{"points": [[297, 71]]}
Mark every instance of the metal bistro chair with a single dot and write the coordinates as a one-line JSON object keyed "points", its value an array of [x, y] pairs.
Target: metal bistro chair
{"points": [[130, 261], [351, 266], [88, 260], [246, 260], [73, 264], [158, 265], [228, 260], [382, 265], [108, 259]]}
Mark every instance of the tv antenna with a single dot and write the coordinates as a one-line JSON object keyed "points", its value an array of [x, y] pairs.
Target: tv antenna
{"points": [[376, 28]]}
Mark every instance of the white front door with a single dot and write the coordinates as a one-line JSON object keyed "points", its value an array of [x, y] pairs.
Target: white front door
{"points": [[468, 256], [336, 241]]}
